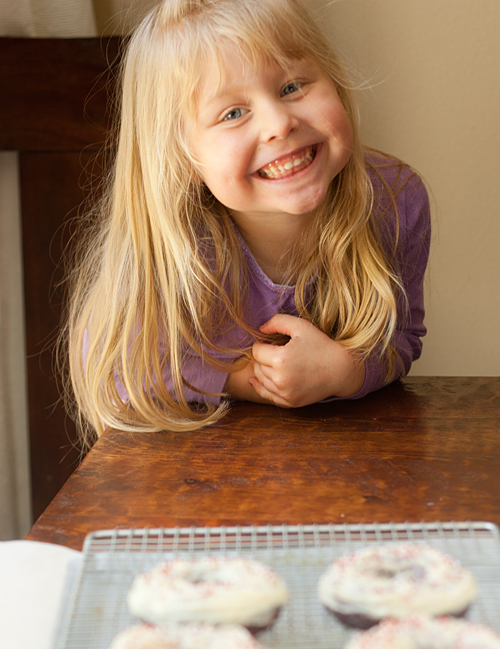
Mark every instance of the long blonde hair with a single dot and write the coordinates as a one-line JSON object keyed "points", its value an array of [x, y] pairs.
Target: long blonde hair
{"points": [[162, 272]]}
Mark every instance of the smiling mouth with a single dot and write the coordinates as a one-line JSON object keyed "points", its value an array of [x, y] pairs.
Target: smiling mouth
{"points": [[289, 165]]}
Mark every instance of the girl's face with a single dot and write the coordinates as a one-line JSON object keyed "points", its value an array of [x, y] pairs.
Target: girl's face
{"points": [[268, 141]]}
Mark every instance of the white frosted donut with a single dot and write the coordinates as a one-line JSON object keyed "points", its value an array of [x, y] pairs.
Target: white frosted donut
{"points": [[418, 632], [395, 580], [219, 590], [189, 636]]}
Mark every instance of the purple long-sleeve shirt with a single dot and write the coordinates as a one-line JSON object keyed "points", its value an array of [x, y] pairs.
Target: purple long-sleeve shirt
{"points": [[266, 299]]}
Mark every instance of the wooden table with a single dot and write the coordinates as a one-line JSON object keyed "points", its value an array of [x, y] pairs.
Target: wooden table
{"points": [[425, 449]]}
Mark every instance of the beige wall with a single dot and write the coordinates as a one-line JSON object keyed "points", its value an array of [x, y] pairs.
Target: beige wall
{"points": [[433, 67], [119, 16]]}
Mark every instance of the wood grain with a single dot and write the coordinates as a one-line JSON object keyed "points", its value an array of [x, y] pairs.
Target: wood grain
{"points": [[55, 92], [423, 450]]}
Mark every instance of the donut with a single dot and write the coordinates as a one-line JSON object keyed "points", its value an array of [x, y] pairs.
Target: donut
{"points": [[218, 590], [395, 580], [189, 636], [419, 631]]}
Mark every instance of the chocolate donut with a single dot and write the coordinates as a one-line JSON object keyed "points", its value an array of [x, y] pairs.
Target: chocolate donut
{"points": [[395, 580], [218, 590]]}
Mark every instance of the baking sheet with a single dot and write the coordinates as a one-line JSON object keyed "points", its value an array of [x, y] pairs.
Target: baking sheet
{"points": [[112, 558]]}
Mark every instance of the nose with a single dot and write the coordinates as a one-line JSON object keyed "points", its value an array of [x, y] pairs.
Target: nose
{"points": [[278, 121]]}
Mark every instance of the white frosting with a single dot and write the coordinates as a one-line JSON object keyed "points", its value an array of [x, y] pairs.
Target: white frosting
{"points": [[396, 581], [219, 590], [190, 636], [419, 632]]}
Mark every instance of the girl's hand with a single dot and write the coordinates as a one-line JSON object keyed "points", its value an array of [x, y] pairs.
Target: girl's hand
{"points": [[238, 385], [308, 368]]}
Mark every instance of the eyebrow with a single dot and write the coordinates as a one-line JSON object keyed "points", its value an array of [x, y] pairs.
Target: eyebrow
{"points": [[226, 86], [222, 91]]}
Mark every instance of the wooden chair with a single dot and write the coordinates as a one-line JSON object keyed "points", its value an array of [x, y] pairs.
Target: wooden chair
{"points": [[53, 110]]}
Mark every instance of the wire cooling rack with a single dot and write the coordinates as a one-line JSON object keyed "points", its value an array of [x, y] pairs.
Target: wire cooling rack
{"points": [[97, 610]]}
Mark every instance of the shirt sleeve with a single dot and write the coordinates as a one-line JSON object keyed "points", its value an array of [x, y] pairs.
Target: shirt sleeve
{"points": [[199, 374], [411, 262], [196, 373]]}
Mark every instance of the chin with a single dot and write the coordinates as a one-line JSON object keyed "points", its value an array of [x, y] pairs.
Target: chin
{"points": [[308, 206]]}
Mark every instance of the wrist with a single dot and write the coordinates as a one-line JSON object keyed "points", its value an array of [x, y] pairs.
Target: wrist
{"points": [[354, 380], [237, 385], [349, 371]]}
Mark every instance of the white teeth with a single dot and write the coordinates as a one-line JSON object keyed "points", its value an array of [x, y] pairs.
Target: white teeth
{"points": [[277, 170]]}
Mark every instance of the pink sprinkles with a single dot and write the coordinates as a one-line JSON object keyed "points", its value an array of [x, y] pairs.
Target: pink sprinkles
{"points": [[419, 631]]}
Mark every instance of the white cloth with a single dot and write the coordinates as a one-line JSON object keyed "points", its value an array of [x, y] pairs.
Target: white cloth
{"points": [[35, 581]]}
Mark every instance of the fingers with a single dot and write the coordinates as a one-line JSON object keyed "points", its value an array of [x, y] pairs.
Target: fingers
{"points": [[266, 354], [281, 328], [265, 386], [267, 395], [264, 375], [283, 331], [281, 323], [298, 372]]}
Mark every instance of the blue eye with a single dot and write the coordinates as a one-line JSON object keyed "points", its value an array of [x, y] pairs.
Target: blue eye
{"points": [[234, 114], [290, 88]]}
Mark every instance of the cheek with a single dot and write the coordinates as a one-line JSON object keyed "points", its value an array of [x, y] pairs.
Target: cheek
{"points": [[233, 154], [340, 124], [341, 137], [347, 128], [224, 159], [332, 112], [221, 179], [346, 136]]}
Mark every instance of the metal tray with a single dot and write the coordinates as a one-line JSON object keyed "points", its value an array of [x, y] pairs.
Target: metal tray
{"points": [[97, 609]]}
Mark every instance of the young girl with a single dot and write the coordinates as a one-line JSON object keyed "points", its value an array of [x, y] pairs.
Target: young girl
{"points": [[249, 247]]}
